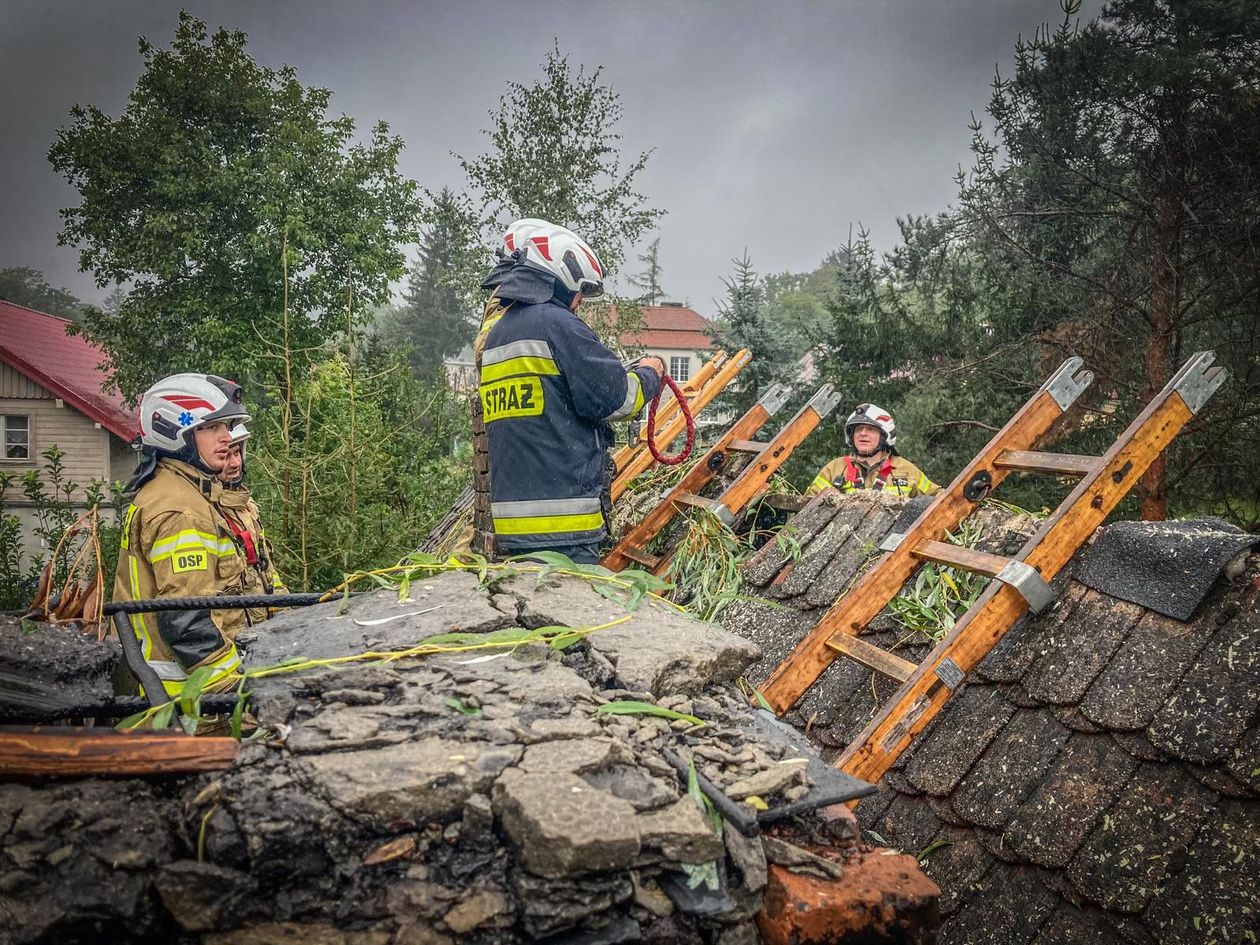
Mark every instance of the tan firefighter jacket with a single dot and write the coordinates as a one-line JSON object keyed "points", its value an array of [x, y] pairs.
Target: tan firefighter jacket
{"points": [[896, 475], [177, 541]]}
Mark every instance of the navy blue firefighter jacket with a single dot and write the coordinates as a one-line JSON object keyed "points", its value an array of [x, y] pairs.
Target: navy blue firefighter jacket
{"points": [[549, 392]]}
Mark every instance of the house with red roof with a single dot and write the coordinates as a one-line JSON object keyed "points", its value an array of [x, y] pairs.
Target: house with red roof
{"points": [[675, 334], [51, 394]]}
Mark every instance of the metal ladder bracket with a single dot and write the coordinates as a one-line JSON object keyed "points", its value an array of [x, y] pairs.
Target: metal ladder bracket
{"points": [[824, 400], [1198, 380], [1065, 385], [1030, 584], [774, 398]]}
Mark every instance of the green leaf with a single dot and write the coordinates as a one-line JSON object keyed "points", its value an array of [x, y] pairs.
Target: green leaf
{"points": [[238, 710], [162, 718], [462, 707], [190, 692], [762, 700], [132, 721], [634, 707]]}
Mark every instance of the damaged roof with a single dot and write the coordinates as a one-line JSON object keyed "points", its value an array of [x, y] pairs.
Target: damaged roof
{"points": [[1097, 777]]}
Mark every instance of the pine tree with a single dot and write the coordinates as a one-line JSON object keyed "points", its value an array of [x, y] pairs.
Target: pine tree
{"points": [[649, 280], [742, 322]]}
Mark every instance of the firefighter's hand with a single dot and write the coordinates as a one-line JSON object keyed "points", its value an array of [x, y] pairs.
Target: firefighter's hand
{"points": [[656, 364]]}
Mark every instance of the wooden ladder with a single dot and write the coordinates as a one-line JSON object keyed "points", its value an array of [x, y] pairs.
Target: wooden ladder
{"points": [[710, 381], [768, 458], [1022, 581]]}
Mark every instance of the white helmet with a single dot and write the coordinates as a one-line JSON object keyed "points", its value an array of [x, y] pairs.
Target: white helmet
{"points": [[519, 231], [873, 416], [175, 406], [562, 253]]}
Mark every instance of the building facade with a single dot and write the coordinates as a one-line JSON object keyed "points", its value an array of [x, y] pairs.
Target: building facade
{"points": [[51, 396]]}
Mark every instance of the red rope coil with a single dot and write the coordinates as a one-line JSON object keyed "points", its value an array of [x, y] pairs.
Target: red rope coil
{"points": [[663, 459]]}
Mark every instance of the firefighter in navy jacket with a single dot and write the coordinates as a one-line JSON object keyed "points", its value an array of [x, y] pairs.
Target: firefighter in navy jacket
{"points": [[549, 393]]}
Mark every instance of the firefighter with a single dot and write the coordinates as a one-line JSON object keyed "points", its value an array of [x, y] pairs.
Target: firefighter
{"points": [[871, 434], [176, 540], [549, 392], [245, 521]]}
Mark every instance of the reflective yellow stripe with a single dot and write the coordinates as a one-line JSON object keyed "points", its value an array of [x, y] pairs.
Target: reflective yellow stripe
{"points": [[137, 620], [190, 538], [225, 665], [819, 484], [513, 366], [126, 526], [549, 524]]}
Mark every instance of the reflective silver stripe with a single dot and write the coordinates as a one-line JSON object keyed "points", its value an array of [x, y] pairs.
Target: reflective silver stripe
{"points": [[539, 507], [167, 670], [529, 348], [633, 389]]}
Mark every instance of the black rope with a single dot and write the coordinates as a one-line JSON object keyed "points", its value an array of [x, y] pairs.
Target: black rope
{"points": [[222, 602]]}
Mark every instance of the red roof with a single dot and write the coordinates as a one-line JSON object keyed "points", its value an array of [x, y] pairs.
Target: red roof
{"points": [[36, 345], [670, 326]]}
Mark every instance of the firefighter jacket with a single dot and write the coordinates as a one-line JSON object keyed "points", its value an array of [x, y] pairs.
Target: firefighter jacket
{"points": [[176, 542], [896, 474], [549, 391], [246, 526]]}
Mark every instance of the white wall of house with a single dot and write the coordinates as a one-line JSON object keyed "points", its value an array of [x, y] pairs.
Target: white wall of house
{"points": [[681, 363]]}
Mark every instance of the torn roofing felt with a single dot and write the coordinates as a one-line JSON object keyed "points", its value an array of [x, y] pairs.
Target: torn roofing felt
{"points": [[1167, 567]]}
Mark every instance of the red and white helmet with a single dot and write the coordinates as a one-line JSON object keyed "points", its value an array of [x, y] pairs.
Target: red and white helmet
{"points": [[873, 416], [561, 252], [175, 406], [519, 231]]}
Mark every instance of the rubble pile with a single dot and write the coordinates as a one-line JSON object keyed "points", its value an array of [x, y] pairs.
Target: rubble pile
{"points": [[479, 796]]}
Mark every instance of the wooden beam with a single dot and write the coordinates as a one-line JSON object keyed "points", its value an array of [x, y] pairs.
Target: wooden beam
{"points": [[746, 446], [871, 594], [60, 752], [872, 657], [921, 697], [956, 556], [1053, 464]]}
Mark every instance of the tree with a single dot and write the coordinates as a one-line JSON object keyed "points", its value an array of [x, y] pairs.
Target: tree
{"points": [[556, 155], [24, 286], [437, 318], [649, 280], [1121, 190], [242, 215], [742, 322]]}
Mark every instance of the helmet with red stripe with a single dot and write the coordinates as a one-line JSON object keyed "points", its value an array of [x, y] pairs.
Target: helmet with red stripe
{"points": [[177, 405], [561, 252], [873, 416]]}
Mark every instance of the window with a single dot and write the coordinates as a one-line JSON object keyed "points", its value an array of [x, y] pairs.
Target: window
{"points": [[17, 437], [680, 369]]}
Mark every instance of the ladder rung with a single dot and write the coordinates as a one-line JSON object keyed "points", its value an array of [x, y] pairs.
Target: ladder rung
{"points": [[746, 446], [978, 562], [1019, 574], [1055, 464], [871, 656], [641, 556]]}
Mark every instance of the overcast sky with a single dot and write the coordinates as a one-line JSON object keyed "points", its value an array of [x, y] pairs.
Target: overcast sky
{"points": [[777, 124]]}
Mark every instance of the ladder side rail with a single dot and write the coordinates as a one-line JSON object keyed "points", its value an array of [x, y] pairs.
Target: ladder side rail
{"points": [[855, 609], [919, 700]]}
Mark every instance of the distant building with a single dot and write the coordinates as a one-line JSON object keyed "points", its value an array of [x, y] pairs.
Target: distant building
{"points": [[461, 370], [675, 334], [51, 395]]}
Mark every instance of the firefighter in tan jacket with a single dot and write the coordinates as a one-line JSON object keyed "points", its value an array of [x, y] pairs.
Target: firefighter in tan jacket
{"points": [[874, 464], [176, 537]]}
